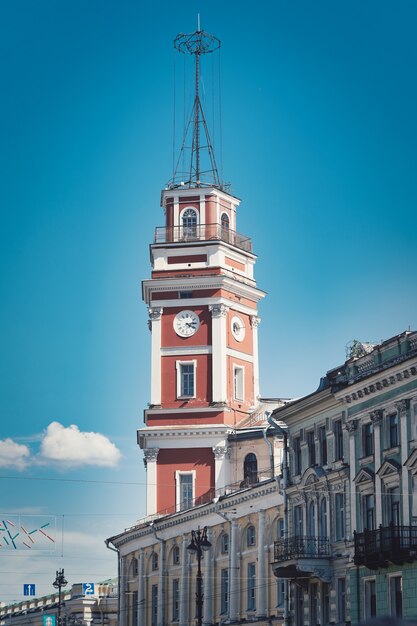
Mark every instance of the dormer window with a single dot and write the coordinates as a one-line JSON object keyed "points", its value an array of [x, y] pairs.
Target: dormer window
{"points": [[189, 219]]}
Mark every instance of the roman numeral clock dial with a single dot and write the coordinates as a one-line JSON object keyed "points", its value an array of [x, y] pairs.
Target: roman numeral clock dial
{"points": [[186, 323]]}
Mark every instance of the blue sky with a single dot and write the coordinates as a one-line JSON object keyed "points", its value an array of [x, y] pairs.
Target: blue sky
{"points": [[319, 140]]}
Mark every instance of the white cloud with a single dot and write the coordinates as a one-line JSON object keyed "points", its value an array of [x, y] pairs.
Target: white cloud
{"points": [[70, 446], [13, 454]]}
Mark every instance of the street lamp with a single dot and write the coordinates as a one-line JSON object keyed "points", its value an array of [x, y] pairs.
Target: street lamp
{"points": [[58, 583], [199, 542]]}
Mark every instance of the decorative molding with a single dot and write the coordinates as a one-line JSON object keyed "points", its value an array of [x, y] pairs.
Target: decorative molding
{"points": [[351, 426], [155, 313], [255, 321], [218, 310], [379, 385], [222, 452], [151, 454], [402, 406], [376, 417]]}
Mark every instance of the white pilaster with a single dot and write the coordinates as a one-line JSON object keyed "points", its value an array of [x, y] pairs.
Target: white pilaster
{"points": [[151, 455], [221, 468], [234, 574], [219, 361], [351, 428], [262, 579], [376, 417], [161, 586], [208, 605], [185, 577], [254, 322], [155, 319], [123, 603], [176, 211], [141, 588], [403, 407]]}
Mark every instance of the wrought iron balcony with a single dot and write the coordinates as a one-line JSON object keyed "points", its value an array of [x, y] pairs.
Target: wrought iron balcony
{"points": [[294, 548], [385, 545], [202, 232]]}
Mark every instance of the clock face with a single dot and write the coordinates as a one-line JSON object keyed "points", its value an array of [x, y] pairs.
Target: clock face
{"points": [[238, 328], [186, 323]]}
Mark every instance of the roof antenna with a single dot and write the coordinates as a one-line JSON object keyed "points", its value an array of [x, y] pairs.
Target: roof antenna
{"points": [[198, 23]]}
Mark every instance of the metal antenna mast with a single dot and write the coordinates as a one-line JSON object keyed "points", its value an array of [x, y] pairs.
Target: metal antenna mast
{"points": [[197, 44]]}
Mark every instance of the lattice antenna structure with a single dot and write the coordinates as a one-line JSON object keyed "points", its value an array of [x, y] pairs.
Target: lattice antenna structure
{"points": [[202, 171]]}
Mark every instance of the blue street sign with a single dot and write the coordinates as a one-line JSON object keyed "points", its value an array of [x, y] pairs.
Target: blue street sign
{"points": [[49, 620], [88, 589], [28, 590]]}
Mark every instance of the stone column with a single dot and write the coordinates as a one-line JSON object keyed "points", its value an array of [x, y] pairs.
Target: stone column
{"points": [[351, 427], [151, 454], [376, 418], [123, 603], [219, 361], [221, 468], [234, 573], [254, 322], [185, 582], [141, 588], [208, 605], [261, 579], [161, 585], [155, 321], [403, 408]]}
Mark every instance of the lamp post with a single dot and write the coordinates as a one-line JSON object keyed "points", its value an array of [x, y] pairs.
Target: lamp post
{"points": [[58, 583], [199, 542]]}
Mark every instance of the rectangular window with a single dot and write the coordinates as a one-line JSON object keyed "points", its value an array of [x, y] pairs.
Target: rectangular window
{"points": [[311, 445], [368, 511], [339, 502], [251, 587], [297, 455], [325, 603], [392, 428], [280, 593], [154, 605], [370, 600], [186, 491], [134, 621], [239, 382], [341, 600], [298, 521], [313, 605], [323, 445], [186, 379], [393, 506], [175, 600], [396, 596], [338, 440], [185, 294], [224, 600], [368, 439]]}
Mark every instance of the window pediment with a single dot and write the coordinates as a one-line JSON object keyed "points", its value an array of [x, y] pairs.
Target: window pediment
{"points": [[389, 468], [411, 462], [364, 476]]}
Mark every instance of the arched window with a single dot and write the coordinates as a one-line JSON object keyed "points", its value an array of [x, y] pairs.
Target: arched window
{"points": [[323, 518], [176, 555], [250, 469], [134, 568], [311, 520], [225, 544], [250, 536], [154, 561], [225, 224], [189, 220]]}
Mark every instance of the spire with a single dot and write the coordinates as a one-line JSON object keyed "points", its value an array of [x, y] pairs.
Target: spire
{"points": [[201, 170]]}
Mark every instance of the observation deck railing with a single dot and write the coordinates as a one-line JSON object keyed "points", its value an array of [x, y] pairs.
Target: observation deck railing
{"points": [[303, 547], [202, 232]]}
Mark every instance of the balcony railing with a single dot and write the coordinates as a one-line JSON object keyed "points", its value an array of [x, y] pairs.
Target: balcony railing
{"points": [[303, 547], [202, 232], [387, 544]]}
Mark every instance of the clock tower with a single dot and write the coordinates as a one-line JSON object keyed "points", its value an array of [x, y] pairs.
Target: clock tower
{"points": [[202, 301]]}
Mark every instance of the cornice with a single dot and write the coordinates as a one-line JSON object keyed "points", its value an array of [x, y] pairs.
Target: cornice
{"points": [[186, 411], [193, 432], [364, 390], [187, 283]]}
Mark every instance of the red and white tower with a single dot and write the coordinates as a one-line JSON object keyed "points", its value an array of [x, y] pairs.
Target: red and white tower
{"points": [[202, 300]]}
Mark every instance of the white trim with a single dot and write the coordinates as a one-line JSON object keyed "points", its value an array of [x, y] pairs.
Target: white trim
{"points": [[182, 211], [176, 302], [176, 211], [240, 355], [240, 333], [178, 365], [194, 283], [241, 368], [207, 409], [178, 475], [185, 351]]}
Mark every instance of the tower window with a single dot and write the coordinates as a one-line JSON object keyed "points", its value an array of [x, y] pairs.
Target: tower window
{"points": [[238, 382], [250, 469], [189, 223], [186, 379], [185, 488]]}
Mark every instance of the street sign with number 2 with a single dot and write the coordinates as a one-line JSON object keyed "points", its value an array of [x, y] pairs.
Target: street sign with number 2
{"points": [[88, 589]]}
